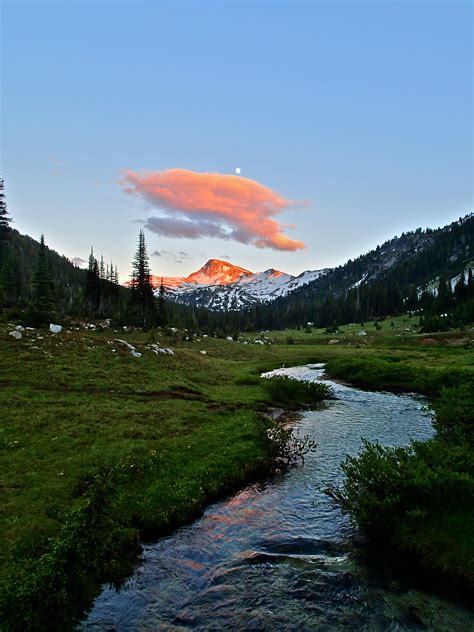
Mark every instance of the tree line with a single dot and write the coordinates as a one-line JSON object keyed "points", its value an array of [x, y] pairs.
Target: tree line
{"points": [[38, 285]]}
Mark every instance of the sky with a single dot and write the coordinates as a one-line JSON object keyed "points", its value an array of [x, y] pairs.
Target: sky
{"points": [[350, 122]]}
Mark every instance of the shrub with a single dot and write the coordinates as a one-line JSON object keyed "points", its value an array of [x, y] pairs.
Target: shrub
{"points": [[454, 410], [286, 390]]}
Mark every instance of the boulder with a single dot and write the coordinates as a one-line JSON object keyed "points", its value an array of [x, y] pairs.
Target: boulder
{"points": [[55, 329], [16, 334], [127, 344]]}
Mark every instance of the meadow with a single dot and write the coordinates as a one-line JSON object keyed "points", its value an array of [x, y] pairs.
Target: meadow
{"points": [[101, 449]]}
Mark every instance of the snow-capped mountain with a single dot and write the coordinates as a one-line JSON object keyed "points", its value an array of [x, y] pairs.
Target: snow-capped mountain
{"points": [[220, 285]]}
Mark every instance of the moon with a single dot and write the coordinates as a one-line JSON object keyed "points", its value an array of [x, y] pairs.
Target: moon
{"points": [[238, 171]]}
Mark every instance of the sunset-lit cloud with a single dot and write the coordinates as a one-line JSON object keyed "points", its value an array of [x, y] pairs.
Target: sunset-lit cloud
{"points": [[196, 205]]}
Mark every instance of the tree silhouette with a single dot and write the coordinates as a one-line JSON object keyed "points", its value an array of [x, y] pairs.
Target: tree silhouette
{"points": [[142, 305]]}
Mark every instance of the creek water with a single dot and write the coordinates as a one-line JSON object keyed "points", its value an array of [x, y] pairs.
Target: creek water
{"points": [[280, 555]]}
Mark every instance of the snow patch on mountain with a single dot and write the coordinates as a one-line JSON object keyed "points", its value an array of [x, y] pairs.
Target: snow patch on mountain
{"points": [[220, 285]]}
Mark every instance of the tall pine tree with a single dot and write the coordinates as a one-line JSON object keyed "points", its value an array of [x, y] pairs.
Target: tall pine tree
{"points": [[42, 309], [5, 220], [92, 290], [4, 240], [162, 319], [142, 305]]}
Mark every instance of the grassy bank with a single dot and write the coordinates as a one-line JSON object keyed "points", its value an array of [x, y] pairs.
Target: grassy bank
{"points": [[100, 448]]}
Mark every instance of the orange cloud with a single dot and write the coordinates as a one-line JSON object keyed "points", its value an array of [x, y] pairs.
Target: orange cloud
{"points": [[213, 205]]}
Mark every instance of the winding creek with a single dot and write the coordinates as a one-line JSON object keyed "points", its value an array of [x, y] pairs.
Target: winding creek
{"points": [[279, 555]]}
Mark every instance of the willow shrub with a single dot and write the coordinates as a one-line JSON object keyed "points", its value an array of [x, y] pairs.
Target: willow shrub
{"points": [[284, 390]]}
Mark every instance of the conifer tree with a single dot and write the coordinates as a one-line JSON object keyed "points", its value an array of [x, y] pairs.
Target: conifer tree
{"points": [[142, 306], [102, 268], [162, 309], [5, 220], [43, 304], [92, 289], [5, 269]]}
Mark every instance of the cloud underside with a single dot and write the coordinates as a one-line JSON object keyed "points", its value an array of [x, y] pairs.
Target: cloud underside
{"points": [[196, 205]]}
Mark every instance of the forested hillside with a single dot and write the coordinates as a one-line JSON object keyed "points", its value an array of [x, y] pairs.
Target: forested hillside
{"points": [[428, 270]]}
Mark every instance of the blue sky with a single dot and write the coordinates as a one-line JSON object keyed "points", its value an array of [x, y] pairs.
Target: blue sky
{"points": [[361, 109]]}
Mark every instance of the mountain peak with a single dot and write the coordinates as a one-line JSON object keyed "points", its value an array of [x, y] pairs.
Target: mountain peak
{"points": [[217, 272]]}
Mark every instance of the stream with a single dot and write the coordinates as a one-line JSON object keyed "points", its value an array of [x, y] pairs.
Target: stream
{"points": [[280, 555]]}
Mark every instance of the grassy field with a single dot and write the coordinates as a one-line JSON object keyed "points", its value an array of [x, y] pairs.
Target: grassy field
{"points": [[99, 447]]}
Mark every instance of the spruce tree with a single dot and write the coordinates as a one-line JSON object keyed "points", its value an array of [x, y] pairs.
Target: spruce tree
{"points": [[5, 220], [5, 270], [42, 308], [92, 289], [162, 309], [142, 306]]}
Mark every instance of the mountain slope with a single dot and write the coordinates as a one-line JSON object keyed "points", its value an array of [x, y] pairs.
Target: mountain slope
{"points": [[386, 280]]}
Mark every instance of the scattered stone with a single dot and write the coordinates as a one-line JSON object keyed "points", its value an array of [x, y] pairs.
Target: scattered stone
{"points": [[127, 344], [203, 352], [230, 339], [19, 328], [16, 334], [55, 329], [362, 333], [135, 354], [333, 341]]}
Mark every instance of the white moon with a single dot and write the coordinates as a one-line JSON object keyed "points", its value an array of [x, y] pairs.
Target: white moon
{"points": [[238, 170]]}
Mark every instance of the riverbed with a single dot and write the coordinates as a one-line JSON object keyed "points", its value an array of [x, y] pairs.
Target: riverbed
{"points": [[280, 555]]}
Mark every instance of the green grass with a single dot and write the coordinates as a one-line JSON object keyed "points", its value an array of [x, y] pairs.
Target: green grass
{"points": [[181, 430], [154, 437]]}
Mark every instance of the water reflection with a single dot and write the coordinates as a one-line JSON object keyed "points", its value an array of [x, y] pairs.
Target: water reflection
{"points": [[278, 555]]}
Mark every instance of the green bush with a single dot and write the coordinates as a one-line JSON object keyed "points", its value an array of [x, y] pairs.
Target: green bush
{"points": [[284, 390], [454, 410]]}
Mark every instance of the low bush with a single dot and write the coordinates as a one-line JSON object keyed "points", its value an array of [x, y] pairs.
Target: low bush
{"points": [[285, 390]]}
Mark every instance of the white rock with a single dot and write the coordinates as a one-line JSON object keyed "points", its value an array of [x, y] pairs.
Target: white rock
{"points": [[135, 354], [127, 344], [55, 329], [362, 333], [16, 334], [203, 352], [19, 328], [230, 339]]}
